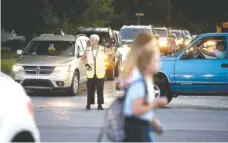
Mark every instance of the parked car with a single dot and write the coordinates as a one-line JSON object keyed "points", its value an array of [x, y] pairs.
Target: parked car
{"points": [[17, 122], [109, 40], [12, 39], [52, 62], [193, 71]]}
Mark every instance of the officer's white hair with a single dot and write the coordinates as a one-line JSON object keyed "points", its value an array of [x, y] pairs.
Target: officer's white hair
{"points": [[94, 37]]}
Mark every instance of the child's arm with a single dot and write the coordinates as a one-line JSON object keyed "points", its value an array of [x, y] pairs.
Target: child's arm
{"points": [[157, 126]]}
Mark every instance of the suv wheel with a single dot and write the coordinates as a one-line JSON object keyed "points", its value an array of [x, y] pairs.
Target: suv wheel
{"points": [[73, 91]]}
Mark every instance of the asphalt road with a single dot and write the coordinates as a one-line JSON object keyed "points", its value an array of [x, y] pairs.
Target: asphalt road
{"points": [[187, 119]]}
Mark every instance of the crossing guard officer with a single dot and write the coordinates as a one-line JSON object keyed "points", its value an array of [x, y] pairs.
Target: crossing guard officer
{"points": [[94, 60]]}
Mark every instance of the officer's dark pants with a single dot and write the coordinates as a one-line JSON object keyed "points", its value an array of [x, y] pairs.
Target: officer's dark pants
{"points": [[92, 84]]}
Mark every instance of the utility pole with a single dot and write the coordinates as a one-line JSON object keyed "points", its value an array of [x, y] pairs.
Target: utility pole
{"points": [[168, 11]]}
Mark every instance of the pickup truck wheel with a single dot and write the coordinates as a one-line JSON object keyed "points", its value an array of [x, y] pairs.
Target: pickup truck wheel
{"points": [[164, 89], [73, 91]]}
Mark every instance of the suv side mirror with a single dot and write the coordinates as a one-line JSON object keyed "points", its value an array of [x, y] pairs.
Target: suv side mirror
{"points": [[19, 52]]}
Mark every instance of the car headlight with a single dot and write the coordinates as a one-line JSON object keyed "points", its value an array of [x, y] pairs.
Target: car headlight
{"points": [[62, 69], [180, 41], [17, 68], [187, 42], [163, 42]]}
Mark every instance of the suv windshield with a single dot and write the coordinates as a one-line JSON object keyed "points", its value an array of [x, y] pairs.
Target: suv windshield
{"points": [[50, 48], [162, 32], [177, 33], [131, 33], [186, 33]]}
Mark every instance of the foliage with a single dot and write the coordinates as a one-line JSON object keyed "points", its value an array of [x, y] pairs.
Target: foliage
{"points": [[47, 15], [8, 58], [98, 13]]}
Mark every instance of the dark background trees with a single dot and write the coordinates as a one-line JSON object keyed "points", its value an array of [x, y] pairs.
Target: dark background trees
{"points": [[29, 16]]}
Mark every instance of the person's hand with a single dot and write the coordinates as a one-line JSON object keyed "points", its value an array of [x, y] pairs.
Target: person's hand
{"points": [[88, 67], [157, 126]]}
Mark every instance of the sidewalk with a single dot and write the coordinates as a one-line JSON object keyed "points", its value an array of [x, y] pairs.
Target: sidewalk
{"points": [[200, 102]]}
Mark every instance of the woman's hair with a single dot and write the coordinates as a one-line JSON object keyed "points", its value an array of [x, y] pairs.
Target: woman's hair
{"points": [[139, 54]]}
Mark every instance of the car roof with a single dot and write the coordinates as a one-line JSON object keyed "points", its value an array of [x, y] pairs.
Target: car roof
{"points": [[174, 30], [136, 26], [185, 30], [95, 29], [213, 34], [55, 38], [161, 28]]}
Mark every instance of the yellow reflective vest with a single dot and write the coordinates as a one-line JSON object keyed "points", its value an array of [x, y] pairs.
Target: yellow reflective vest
{"points": [[96, 59]]}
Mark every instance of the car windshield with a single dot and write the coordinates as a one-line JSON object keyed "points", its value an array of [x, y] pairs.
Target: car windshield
{"points": [[50, 48], [186, 33], [177, 33], [131, 33], [162, 32]]}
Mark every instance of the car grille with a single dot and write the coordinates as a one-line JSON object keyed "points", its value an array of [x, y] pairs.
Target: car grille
{"points": [[42, 70], [37, 83]]}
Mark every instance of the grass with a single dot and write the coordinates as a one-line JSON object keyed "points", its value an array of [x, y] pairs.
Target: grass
{"points": [[8, 58]]}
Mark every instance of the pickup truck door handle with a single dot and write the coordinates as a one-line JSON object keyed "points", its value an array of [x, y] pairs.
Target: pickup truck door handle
{"points": [[224, 65]]}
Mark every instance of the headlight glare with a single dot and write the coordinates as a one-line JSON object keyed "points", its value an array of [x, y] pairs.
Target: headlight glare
{"points": [[17, 68], [163, 42], [62, 69], [180, 41]]}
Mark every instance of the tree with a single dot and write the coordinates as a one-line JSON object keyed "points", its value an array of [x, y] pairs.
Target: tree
{"points": [[99, 13]]}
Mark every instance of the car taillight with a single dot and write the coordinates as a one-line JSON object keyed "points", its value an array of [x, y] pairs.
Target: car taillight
{"points": [[30, 108]]}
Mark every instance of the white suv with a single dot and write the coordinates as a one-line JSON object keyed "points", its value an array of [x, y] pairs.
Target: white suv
{"points": [[17, 123], [52, 62], [129, 32]]}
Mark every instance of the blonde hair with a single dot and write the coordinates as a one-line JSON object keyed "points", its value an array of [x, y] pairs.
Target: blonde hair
{"points": [[139, 55]]}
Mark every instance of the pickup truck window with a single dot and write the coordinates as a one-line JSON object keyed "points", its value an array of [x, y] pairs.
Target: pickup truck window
{"points": [[207, 48]]}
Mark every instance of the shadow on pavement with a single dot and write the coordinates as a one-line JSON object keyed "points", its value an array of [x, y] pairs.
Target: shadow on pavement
{"points": [[81, 92]]}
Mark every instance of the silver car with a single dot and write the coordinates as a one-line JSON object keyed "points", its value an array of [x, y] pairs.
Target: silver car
{"points": [[52, 62]]}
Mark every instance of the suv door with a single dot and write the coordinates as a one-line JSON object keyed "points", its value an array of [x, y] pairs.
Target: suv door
{"points": [[79, 52], [202, 74]]}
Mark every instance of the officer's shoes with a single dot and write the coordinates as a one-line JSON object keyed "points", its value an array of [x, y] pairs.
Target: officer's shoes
{"points": [[88, 107], [100, 107]]}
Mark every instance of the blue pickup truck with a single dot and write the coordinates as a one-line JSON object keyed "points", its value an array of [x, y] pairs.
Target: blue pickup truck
{"points": [[201, 68]]}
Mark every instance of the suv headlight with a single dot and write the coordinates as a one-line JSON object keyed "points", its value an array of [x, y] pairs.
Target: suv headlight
{"points": [[180, 41], [62, 69], [187, 42], [163, 42], [17, 68]]}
